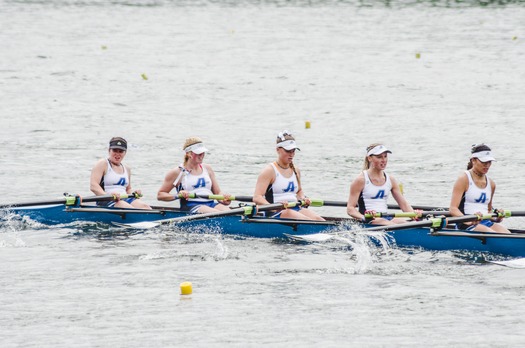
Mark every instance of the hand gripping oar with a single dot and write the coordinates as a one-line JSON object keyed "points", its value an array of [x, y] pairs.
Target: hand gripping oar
{"points": [[245, 210], [435, 222], [68, 200]]}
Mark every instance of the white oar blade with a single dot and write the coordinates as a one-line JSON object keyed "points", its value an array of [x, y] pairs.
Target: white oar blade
{"points": [[516, 263], [318, 237], [138, 225]]}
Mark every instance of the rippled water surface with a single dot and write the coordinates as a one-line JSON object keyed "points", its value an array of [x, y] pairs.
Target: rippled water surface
{"points": [[427, 78]]}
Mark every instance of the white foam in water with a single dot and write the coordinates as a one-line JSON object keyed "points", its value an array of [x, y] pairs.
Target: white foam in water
{"points": [[222, 249], [365, 247]]}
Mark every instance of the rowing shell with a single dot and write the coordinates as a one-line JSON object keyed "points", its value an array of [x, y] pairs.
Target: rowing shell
{"points": [[261, 227], [61, 214]]}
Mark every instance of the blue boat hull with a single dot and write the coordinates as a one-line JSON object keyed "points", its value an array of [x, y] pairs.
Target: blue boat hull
{"points": [[258, 227], [261, 227], [60, 214], [422, 238]]}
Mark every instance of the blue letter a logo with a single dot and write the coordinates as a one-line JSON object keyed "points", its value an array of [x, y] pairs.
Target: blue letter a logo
{"points": [[482, 198], [380, 195], [290, 187], [200, 183], [122, 182]]}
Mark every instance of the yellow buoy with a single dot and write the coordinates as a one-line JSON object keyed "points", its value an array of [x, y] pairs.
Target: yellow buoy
{"points": [[144, 76], [418, 55], [185, 288], [307, 125]]}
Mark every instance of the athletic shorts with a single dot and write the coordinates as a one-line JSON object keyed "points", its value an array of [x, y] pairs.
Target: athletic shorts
{"points": [[278, 214], [487, 223], [193, 206], [111, 204]]}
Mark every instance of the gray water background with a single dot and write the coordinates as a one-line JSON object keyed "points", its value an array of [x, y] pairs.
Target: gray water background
{"points": [[72, 75]]}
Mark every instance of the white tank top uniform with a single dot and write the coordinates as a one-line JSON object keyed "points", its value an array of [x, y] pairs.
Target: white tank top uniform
{"points": [[374, 197], [113, 182], [283, 189], [198, 184], [476, 199]]}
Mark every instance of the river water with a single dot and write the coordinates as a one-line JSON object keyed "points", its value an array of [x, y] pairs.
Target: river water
{"points": [[427, 78]]}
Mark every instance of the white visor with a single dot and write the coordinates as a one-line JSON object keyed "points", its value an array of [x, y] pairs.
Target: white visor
{"points": [[288, 145], [377, 150], [196, 148], [483, 156]]}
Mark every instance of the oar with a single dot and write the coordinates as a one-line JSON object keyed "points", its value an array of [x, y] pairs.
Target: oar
{"points": [[435, 222], [424, 213], [315, 202], [421, 207], [479, 235], [245, 210], [221, 197], [511, 213], [67, 200]]}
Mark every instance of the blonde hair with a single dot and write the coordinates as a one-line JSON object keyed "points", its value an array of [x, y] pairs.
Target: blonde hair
{"points": [[366, 164], [188, 142]]}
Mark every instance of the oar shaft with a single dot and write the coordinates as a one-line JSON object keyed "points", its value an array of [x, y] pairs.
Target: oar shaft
{"points": [[246, 210], [67, 200], [435, 222], [221, 197], [315, 202], [323, 203], [515, 213], [422, 207], [409, 214]]}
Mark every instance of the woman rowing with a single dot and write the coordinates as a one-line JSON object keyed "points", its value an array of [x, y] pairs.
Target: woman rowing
{"points": [[370, 190], [474, 190], [110, 176], [280, 182], [193, 177]]}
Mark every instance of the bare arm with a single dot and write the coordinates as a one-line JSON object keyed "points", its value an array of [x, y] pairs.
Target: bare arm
{"points": [[266, 178], [460, 187], [215, 186], [97, 173], [398, 196], [163, 194], [128, 188], [214, 183], [493, 190], [300, 193], [356, 188]]}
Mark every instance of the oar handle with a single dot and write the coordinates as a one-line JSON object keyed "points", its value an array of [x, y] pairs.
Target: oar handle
{"points": [[73, 200]]}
